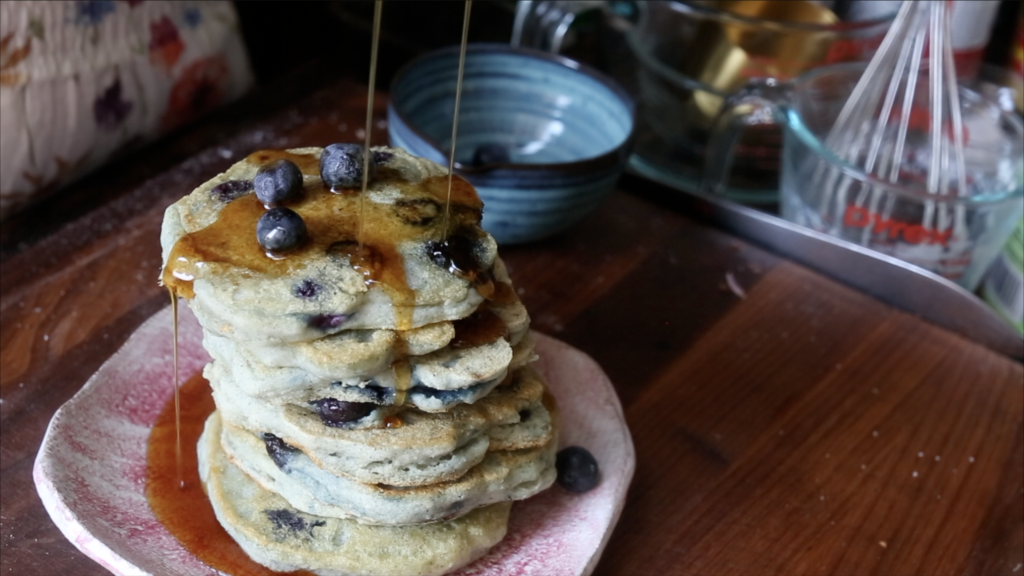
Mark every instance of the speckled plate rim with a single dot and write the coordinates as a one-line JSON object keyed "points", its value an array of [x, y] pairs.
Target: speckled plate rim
{"points": [[90, 468]]}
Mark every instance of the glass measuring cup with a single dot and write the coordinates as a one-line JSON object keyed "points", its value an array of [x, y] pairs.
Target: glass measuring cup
{"points": [[951, 235]]}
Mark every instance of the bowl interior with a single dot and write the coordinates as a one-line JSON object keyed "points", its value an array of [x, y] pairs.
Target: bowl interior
{"points": [[537, 111]]}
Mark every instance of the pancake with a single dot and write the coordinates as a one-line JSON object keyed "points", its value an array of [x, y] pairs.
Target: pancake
{"points": [[282, 538], [501, 476], [211, 256], [425, 448], [434, 382], [361, 354], [365, 351], [376, 412]]}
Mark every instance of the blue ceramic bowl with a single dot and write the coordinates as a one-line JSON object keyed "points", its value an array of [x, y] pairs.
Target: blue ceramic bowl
{"points": [[542, 138]]}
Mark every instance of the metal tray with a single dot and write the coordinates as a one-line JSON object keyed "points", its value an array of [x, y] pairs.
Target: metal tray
{"points": [[895, 282]]}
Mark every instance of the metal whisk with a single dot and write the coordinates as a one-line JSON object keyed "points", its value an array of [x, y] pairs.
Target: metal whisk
{"points": [[871, 131]]}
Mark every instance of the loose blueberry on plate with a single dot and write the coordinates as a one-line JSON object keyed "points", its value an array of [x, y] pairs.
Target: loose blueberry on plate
{"points": [[336, 413], [341, 166], [577, 469], [277, 182], [280, 230], [492, 153]]}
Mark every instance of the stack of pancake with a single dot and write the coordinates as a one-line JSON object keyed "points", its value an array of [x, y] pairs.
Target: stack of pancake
{"points": [[376, 413]]}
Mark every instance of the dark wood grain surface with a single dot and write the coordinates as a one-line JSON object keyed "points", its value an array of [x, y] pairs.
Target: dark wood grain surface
{"points": [[794, 426]]}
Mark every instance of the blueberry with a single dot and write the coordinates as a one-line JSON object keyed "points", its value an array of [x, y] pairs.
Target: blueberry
{"points": [[457, 255], [280, 230], [379, 394], [327, 321], [277, 182], [492, 153], [280, 452], [306, 289], [228, 191], [382, 157], [336, 413], [341, 166], [577, 469], [285, 520], [446, 397]]}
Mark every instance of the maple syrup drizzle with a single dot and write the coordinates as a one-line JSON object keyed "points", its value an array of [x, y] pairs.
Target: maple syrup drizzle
{"points": [[479, 328], [403, 380], [332, 221], [403, 370], [307, 163], [455, 120], [175, 381], [503, 294], [183, 508], [369, 114]]}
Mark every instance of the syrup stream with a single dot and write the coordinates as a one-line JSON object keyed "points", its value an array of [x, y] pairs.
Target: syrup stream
{"points": [[377, 7], [455, 120], [177, 397]]}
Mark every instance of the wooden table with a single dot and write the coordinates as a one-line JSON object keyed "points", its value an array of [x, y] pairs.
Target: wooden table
{"points": [[783, 425]]}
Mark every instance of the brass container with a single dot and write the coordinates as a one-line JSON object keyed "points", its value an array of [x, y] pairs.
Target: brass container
{"points": [[730, 51]]}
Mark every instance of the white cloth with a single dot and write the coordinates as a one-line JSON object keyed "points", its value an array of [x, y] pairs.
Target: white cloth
{"points": [[82, 80]]}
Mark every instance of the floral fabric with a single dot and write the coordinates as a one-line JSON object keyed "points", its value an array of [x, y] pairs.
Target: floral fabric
{"points": [[81, 80]]}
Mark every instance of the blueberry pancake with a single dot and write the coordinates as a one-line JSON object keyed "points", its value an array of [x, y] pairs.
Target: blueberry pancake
{"points": [[376, 411], [287, 471], [212, 254], [275, 534], [423, 448], [435, 383], [362, 353], [448, 362]]}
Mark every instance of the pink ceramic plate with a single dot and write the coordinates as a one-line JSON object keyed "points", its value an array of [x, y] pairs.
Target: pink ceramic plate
{"points": [[90, 471]]}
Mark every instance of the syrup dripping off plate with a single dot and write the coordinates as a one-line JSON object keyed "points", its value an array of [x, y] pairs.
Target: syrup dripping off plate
{"points": [[91, 468]]}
